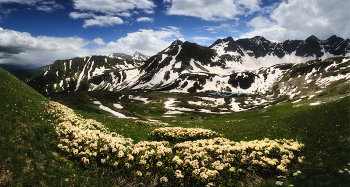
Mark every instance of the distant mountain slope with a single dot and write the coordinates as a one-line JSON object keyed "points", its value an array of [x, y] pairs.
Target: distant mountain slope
{"points": [[14, 67], [29, 73], [77, 73], [258, 52], [136, 56], [250, 66]]}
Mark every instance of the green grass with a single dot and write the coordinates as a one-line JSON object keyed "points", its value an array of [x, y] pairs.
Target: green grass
{"points": [[28, 157], [324, 129]]}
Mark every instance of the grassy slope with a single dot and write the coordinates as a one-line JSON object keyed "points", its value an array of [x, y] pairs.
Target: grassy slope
{"points": [[324, 129], [28, 158]]}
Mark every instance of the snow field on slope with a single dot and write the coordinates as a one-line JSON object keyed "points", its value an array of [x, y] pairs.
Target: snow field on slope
{"points": [[159, 76], [117, 105], [138, 98], [117, 114], [82, 74], [324, 82]]}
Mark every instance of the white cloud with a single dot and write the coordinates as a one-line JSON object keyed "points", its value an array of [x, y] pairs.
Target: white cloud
{"points": [[113, 6], [21, 47], [77, 15], [216, 29], [299, 19], [202, 40], [108, 11], [124, 14], [5, 12], [29, 2], [145, 19], [103, 21], [148, 42], [98, 41], [212, 10], [49, 6], [259, 22], [43, 5], [182, 39]]}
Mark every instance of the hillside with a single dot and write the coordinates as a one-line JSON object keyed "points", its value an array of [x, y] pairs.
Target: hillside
{"points": [[29, 73], [28, 155], [25, 150]]}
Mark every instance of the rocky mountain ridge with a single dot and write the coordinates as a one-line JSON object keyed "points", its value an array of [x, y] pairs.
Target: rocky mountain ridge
{"points": [[252, 66], [136, 56]]}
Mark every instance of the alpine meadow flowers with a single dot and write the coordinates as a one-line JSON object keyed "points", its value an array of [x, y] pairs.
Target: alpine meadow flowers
{"points": [[182, 134], [198, 157]]}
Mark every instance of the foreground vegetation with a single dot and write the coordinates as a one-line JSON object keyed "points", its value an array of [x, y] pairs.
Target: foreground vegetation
{"points": [[33, 157]]}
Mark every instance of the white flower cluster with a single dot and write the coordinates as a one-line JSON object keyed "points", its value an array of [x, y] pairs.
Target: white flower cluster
{"points": [[201, 160], [209, 156], [152, 123], [90, 141], [346, 170], [183, 134]]}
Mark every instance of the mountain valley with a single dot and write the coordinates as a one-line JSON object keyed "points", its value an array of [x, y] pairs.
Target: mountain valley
{"points": [[267, 71], [244, 91]]}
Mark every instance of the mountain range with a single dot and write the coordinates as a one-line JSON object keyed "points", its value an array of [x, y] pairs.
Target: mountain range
{"points": [[15, 67], [252, 66]]}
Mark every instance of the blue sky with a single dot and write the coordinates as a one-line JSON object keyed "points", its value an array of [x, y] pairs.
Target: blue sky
{"points": [[42, 31]]}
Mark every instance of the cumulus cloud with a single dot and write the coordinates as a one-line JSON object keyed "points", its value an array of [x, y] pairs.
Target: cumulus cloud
{"points": [[98, 41], [298, 19], [212, 10], [148, 42], [103, 21], [21, 47], [145, 19]]}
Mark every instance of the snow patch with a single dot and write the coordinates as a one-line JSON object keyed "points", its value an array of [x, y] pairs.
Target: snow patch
{"points": [[296, 101], [82, 74], [138, 98], [117, 114], [118, 106], [99, 71], [235, 106], [61, 85], [175, 110]]}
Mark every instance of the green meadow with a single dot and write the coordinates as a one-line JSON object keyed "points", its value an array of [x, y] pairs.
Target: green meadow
{"points": [[29, 155]]}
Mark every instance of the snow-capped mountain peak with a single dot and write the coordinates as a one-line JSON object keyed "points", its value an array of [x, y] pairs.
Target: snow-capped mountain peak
{"points": [[251, 65], [136, 56]]}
